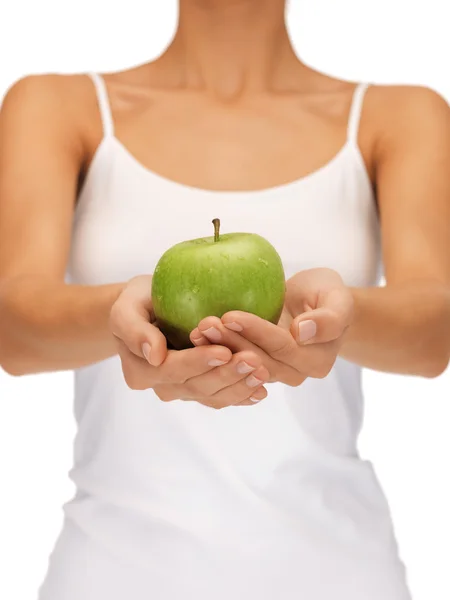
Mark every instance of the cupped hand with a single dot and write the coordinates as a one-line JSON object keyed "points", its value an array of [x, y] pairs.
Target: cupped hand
{"points": [[210, 375], [307, 339]]}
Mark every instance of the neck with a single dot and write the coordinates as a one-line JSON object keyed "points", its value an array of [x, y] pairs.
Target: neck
{"points": [[231, 47]]}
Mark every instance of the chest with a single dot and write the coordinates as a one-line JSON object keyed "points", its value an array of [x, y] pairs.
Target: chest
{"points": [[261, 143]]}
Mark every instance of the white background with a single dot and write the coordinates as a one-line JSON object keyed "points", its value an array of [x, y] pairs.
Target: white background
{"points": [[407, 419]]}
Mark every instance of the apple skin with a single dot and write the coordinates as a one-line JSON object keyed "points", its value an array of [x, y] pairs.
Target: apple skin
{"points": [[203, 277]]}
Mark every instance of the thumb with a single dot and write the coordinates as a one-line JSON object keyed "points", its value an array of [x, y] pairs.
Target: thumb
{"points": [[316, 327], [327, 322], [154, 345], [141, 337]]}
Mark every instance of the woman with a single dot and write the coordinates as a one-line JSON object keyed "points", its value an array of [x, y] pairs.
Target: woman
{"points": [[266, 498]]}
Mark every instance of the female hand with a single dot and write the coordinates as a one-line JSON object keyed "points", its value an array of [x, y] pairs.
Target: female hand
{"points": [[210, 375], [306, 341]]}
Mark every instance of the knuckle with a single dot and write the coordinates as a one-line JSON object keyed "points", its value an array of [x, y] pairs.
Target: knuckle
{"points": [[163, 393], [209, 402], [133, 381], [224, 404], [218, 403], [294, 379], [320, 373], [247, 356], [132, 372], [322, 369]]}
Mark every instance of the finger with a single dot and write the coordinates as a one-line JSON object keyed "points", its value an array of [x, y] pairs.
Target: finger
{"points": [[256, 397], [328, 321], [213, 329], [141, 337], [170, 392], [182, 365], [240, 391], [319, 326], [282, 368], [197, 338], [239, 367], [274, 340]]}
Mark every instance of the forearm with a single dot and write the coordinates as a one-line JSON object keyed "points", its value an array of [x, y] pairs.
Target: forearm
{"points": [[51, 326], [401, 329]]}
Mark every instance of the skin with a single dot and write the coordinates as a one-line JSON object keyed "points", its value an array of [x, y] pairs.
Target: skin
{"points": [[228, 91]]}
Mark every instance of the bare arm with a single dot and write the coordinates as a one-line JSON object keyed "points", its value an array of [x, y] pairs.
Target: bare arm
{"points": [[404, 327], [45, 325]]}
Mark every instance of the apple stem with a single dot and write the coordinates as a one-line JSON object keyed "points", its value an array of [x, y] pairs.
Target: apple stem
{"points": [[216, 223]]}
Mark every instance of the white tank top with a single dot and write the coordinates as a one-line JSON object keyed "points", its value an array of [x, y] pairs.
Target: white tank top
{"points": [[270, 502]]}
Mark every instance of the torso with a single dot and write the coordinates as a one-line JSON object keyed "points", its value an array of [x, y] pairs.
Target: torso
{"points": [[265, 503]]}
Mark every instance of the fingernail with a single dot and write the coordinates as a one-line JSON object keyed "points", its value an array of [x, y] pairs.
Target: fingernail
{"points": [[215, 362], [212, 334], [253, 381], [243, 367], [306, 330], [233, 326], [146, 348], [255, 400], [197, 340]]}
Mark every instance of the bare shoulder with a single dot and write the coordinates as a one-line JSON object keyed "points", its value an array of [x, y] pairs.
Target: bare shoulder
{"points": [[61, 102], [411, 97], [37, 86], [43, 91], [402, 112]]}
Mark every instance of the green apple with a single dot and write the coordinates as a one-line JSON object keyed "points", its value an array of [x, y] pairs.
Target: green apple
{"points": [[213, 275]]}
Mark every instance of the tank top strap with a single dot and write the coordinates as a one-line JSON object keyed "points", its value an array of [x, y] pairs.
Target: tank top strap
{"points": [[355, 111], [103, 103]]}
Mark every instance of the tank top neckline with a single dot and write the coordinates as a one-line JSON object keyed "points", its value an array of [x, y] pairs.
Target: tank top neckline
{"points": [[111, 142]]}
